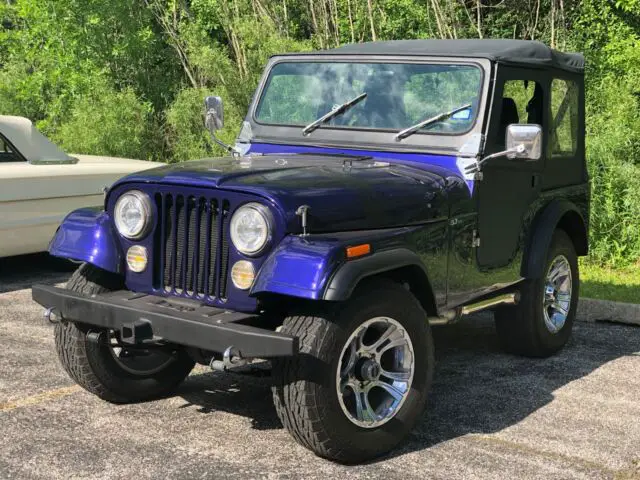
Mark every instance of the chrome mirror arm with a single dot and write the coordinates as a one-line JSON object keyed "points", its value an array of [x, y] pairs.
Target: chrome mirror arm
{"points": [[209, 121], [232, 150], [476, 167]]}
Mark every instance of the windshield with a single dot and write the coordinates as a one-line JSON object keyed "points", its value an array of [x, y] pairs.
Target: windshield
{"points": [[398, 95]]}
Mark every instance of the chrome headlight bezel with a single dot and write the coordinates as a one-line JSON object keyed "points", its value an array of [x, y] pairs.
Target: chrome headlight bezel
{"points": [[146, 211], [265, 214]]}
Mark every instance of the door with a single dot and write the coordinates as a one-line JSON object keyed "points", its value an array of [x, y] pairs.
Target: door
{"points": [[510, 188]]}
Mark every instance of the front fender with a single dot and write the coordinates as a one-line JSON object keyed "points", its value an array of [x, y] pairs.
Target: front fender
{"points": [[87, 235], [316, 267], [300, 267]]}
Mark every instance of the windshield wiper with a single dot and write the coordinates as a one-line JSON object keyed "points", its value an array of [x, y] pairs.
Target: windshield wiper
{"points": [[425, 123], [335, 111]]}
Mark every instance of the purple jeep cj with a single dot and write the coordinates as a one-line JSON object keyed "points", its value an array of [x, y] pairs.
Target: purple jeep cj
{"points": [[374, 191]]}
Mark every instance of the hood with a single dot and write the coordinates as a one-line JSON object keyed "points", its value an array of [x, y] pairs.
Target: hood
{"points": [[343, 192]]}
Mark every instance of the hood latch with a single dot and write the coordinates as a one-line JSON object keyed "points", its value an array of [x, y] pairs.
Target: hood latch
{"points": [[302, 212]]}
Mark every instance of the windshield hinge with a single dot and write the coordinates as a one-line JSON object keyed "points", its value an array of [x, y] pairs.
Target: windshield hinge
{"points": [[478, 176], [475, 241]]}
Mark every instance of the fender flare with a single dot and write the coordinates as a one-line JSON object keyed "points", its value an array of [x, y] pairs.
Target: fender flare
{"points": [[346, 278], [543, 227], [316, 269], [87, 235]]}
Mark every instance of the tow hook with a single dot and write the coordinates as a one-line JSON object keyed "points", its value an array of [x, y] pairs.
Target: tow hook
{"points": [[231, 358], [50, 315]]}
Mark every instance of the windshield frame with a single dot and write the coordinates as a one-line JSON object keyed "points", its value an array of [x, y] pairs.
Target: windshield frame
{"points": [[363, 128], [368, 137]]}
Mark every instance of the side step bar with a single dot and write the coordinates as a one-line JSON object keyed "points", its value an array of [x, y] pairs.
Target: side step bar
{"points": [[505, 299], [453, 315]]}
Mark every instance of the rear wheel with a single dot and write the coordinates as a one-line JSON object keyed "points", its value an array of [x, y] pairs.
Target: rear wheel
{"points": [[541, 324], [360, 383], [100, 363]]}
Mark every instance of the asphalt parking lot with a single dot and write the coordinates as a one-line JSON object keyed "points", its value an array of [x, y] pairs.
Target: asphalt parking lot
{"points": [[490, 415]]}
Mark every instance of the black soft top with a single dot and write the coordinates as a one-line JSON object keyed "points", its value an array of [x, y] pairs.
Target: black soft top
{"points": [[510, 52]]}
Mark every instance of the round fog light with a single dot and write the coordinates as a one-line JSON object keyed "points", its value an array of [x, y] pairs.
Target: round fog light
{"points": [[243, 274], [137, 258]]}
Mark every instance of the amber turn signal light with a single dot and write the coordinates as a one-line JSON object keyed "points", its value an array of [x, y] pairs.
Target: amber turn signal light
{"points": [[358, 250]]}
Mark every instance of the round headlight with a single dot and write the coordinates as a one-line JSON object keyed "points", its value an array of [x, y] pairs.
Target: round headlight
{"points": [[251, 228], [132, 214]]}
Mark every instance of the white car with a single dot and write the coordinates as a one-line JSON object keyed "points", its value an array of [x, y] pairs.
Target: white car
{"points": [[40, 184]]}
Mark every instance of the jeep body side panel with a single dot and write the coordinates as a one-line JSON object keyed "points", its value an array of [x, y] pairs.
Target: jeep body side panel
{"points": [[87, 235]]}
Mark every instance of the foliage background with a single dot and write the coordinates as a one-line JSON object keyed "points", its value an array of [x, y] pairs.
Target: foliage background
{"points": [[127, 77]]}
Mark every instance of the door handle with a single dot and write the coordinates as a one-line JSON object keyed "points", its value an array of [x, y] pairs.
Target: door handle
{"points": [[535, 180]]}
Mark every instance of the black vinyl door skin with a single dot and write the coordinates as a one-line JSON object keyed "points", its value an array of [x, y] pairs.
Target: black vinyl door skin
{"points": [[509, 188]]}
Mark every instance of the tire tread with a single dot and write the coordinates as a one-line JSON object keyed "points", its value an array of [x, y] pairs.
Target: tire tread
{"points": [[71, 347]]}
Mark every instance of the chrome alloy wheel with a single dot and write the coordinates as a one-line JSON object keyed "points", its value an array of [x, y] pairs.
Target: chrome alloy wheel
{"points": [[557, 294], [375, 372]]}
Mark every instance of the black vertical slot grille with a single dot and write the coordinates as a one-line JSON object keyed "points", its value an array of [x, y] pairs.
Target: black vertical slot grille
{"points": [[213, 248], [224, 222], [191, 250]]}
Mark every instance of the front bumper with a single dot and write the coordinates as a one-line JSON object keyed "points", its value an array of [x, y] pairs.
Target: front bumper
{"points": [[142, 318]]}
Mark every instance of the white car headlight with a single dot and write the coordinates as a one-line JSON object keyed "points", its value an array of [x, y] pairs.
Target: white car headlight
{"points": [[132, 214], [251, 228]]}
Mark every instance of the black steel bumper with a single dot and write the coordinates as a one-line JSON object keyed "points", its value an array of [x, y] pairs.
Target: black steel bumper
{"points": [[147, 318]]}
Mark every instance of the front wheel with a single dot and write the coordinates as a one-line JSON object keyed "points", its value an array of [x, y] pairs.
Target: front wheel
{"points": [[101, 364], [360, 382], [541, 324]]}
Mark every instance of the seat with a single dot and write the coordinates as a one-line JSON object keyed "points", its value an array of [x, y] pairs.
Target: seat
{"points": [[535, 107], [508, 115]]}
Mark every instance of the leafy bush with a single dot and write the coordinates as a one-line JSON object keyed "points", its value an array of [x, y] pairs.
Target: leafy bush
{"points": [[108, 122], [186, 135], [128, 78], [613, 150]]}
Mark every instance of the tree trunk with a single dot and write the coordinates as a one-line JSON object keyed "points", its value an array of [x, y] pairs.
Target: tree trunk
{"points": [[373, 28]]}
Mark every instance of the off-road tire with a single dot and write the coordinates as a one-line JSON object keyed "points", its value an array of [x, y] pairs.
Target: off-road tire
{"points": [[92, 365], [521, 328], [304, 388]]}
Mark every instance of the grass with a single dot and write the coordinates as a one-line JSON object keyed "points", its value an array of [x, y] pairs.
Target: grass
{"points": [[620, 285]]}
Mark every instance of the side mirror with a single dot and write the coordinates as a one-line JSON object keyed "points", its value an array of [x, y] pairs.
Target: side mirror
{"points": [[213, 114], [214, 121], [524, 141]]}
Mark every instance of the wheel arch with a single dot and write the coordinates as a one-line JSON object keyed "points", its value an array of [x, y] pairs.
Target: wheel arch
{"points": [[400, 265], [573, 225], [559, 214]]}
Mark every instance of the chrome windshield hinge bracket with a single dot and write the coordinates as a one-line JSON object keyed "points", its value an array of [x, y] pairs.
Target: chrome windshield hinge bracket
{"points": [[475, 241], [478, 176]]}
